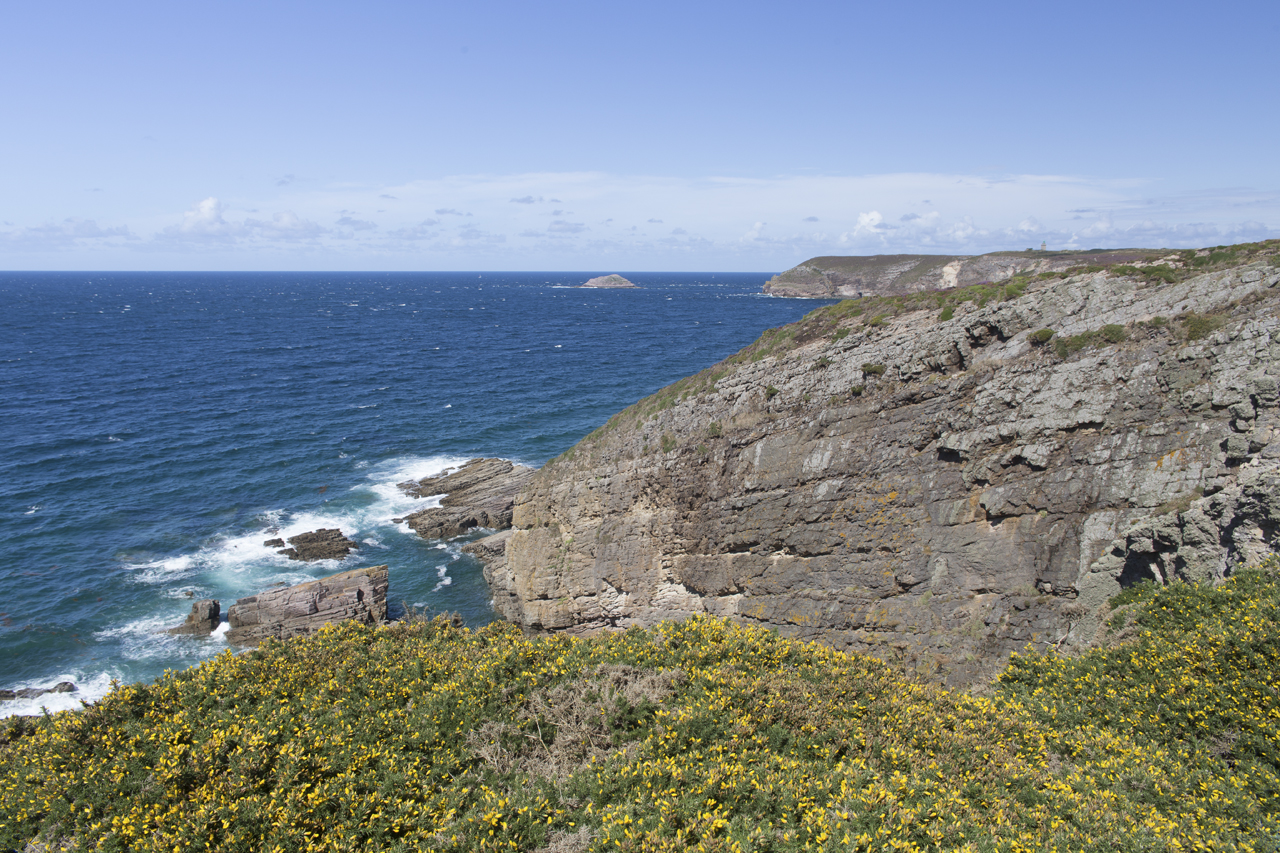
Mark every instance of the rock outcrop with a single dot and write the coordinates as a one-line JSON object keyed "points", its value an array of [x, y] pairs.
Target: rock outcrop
{"points": [[36, 692], [205, 616], [613, 281], [936, 492], [893, 275], [328, 543], [360, 595], [479, 494]]}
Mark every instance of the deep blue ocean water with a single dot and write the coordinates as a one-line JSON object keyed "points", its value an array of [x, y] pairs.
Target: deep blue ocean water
{"points": [[157, 428]]}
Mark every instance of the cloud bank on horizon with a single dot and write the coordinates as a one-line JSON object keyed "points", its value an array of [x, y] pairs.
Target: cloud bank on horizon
{"points": [[561, 221], [712, 136]]}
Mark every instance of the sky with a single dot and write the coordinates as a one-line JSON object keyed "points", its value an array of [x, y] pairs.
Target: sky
{"points": [[692, 136]]}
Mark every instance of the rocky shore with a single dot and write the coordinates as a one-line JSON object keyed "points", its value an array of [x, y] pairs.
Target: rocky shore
{"points": [[481, 493]]}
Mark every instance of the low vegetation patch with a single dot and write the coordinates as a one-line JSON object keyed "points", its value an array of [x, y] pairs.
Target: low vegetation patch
{"points": [[1112, 333], [1198, 326], [426, 736]]}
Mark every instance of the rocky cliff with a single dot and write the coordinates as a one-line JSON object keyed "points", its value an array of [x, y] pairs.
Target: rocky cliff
{"points": [[894, 275], [938, 480]]}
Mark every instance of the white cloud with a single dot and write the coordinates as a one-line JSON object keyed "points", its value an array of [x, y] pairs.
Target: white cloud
{"points": [[70, 233], [736, 220]]}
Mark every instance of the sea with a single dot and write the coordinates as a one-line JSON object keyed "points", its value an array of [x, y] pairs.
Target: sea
{"points": [[158, 428]]}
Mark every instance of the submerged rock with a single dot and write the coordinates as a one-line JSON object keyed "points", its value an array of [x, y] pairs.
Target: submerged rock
{"points": [[479, 494], [34, 692], [204, 617], [360, 595]]}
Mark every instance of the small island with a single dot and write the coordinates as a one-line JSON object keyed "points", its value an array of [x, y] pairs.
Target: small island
{"points": [[614, 280]]}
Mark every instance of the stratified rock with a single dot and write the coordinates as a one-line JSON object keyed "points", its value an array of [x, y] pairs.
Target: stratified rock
{"points": [[324, 544], [940, 493], [479, 494], [202, 620], [35, 692], [274, 543], [360, 595], [608, 281], [894, 275]]}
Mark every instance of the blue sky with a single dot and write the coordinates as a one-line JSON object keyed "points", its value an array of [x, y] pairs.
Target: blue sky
{"points": [[653, 136]]}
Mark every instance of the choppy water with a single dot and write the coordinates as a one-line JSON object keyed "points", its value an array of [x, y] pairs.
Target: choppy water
{"points": [[157, 428]]}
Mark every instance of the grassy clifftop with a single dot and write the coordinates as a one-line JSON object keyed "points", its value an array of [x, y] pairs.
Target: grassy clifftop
{"points": [[697, 735]]}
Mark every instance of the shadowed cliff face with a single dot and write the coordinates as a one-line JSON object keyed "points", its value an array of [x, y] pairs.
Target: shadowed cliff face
{"points": [[938, 493]]}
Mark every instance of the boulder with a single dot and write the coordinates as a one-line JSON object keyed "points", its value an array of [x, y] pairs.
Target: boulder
{"points": [[323, 544], [479, 494], [360, 595], [202, 620]]}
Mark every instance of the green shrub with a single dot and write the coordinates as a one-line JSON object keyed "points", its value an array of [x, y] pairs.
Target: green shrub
{"points": [[822, 362], [668, 442], [1040, 336], [856, 390], [771, 392], [869, 369], [714, 430], [947, 314], [426, 736], [1199, 326], [1114, 332], [840, 334], [878, 320]]}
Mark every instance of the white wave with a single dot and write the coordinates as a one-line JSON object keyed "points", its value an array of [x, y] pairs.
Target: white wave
{"points": [[146, 639], [162, 571], [32, 511], [88, 689], [442, 572]]}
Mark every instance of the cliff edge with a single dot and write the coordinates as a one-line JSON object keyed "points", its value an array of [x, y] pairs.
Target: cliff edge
{"points": [[836, 277], [938, 479]]}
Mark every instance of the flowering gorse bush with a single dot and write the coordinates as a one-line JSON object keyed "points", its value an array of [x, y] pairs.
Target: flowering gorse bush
{"points": [[694, 735]]}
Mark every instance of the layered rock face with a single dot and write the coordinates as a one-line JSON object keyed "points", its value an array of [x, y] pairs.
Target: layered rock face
{"points": [[894, 275], [937, 493], [295, 611], [479, 494]]}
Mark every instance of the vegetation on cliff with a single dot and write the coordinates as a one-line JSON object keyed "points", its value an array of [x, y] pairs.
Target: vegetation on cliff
{"points": [[694, 735]]}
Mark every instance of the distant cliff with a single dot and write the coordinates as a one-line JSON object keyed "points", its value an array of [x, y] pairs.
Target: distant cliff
{"points": [[938, 479], [895, 275]]}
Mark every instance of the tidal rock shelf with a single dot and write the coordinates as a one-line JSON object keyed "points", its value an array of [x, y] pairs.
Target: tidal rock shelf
{"points": [[481, 493]]}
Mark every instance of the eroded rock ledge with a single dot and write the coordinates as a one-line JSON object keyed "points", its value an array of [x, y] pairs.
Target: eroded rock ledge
{"points": [[935, 492], [479, 494], [360, 595]]}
